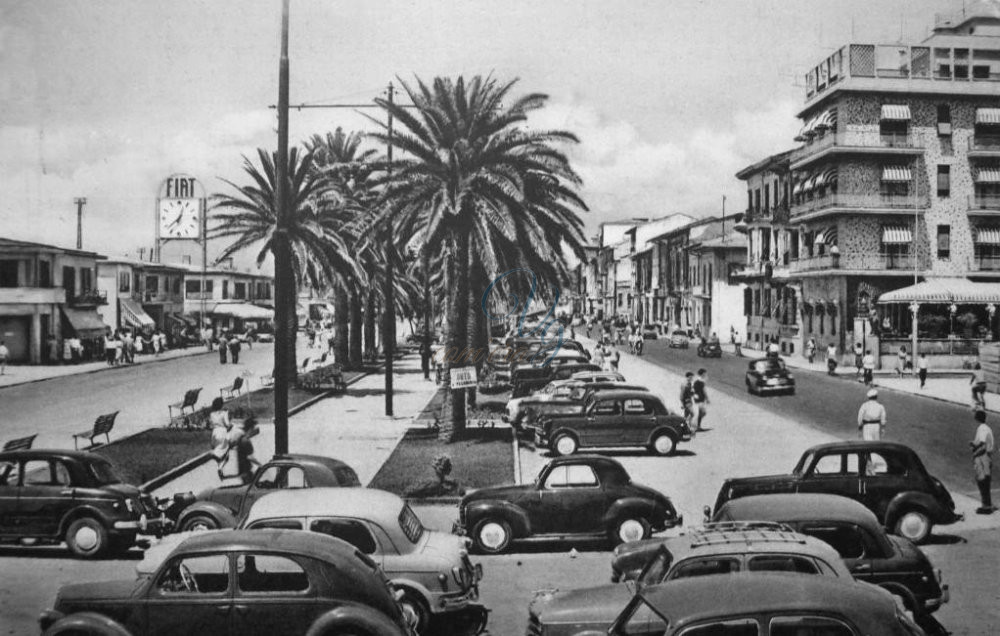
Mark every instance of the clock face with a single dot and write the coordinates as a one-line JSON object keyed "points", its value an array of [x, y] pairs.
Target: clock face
{"points": [[179, 218]]}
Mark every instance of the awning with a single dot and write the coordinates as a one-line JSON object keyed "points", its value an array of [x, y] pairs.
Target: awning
{"points": [[896, 174], [988, 116], [243, 311], [134, 315], [988, 175], [797, 190], [818, 180], [944, 291], [896, 235], [85, 322], [830, 175], [820, 237], [807, 183], [827, 120], [988, 235], [895, 112]]}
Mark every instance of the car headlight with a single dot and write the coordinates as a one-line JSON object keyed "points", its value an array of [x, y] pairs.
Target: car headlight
{"points": [[130, 505]]}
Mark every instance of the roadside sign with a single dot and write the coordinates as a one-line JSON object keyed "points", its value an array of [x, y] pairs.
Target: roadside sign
{"points": [[463, 378]]}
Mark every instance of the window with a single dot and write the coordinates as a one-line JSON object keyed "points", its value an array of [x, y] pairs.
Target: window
{"points": [[606, 407], [756, 194], [177, 285], [808, 626], [9, 474], [705, 567], [8, 273], [276, 524], [86, 279], [571, 476], [846, 540], [637, 407], [944, 120], [240, 291], [124, 281], [944, 241], [37, 472], [225, 289], [885, 464], [269, 573], [782, 563], [44, 274], [195, 575], [837, 464], [893, 131], [767, 196], [944, 181], [276, 477], [736, 627], [152, 284], [354, 532]]}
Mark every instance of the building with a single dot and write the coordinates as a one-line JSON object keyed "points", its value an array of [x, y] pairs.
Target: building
{"points": [[715, 257], [143, 295], [650, 304], [47, 291], [674, 293], [230, 299]]}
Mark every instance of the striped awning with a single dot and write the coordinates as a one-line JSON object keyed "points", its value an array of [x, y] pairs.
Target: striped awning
{"points": [[896, 235], [830, 236], [988, 175], [988, 236], [807, 183], [988, 116], [896, 174], [134, 315], [820, 237], [943, 291], [797, 189], [895, 112], [830, 175], [827, 120]]}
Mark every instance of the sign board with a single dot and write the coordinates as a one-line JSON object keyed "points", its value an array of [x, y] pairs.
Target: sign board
{"points": [[463, 378]]}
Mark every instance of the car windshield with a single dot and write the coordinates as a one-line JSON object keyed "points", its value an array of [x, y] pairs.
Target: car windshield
{"points": [[656, 569], [763, 366], [410, 524], [103, 473], [806, 460]]}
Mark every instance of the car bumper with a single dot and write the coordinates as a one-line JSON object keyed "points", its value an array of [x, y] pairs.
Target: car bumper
{"points": [[676, 522], [771, 388], [144, 524]]}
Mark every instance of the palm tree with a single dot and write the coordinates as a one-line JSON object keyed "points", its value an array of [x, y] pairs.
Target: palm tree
{"points": [[466, 179]]}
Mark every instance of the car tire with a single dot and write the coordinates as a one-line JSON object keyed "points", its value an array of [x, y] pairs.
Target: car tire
{"points": [[87, 537], [630, 529], [913, 524], [663, 444], [564, 444], [199, 522], [415, 610], [491, 536]]}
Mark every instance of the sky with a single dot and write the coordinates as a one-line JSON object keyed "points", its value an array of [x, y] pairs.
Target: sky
{"points": [[104, 99]]}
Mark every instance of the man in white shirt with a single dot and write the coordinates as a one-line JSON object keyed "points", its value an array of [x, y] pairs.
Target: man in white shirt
{"points": [[868, 364], [4, 354], [982, 461], [871, 418]]}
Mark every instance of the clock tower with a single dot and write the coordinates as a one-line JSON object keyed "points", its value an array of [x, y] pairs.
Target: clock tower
{"points": [[180, 212]]}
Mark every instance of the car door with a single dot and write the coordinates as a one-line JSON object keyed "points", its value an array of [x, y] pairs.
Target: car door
{"points": [[574, 496], [271, 478], [602, 423], [192, 595], [9, 477], [274, 595], [850, 542], [354, 531], [638, 421], [835, 473], [885, 475], [44, 497]]}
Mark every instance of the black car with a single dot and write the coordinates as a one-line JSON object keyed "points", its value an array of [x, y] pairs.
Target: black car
{"points": [[536, 412], [888, 478], [582, 497], [240, 582], [709, 349], [526, 378], [769, 375], [615, 419], [72, 496], [222, 507]]}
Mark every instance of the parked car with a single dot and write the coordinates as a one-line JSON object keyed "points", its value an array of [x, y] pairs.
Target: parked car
{"points": [[761, 604], [869, 552], [535, 413], [769, 375], [678, 340], [49, 496], [580, 497], [888, 478], [556, 390], [432, 569], [261, 582], [722, 550], [650, 332], [528, 377], [223, 506], [615, 419], [709, 349]]}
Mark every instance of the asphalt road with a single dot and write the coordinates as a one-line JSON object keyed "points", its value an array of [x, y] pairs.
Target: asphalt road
{"points": [[938, 431]]}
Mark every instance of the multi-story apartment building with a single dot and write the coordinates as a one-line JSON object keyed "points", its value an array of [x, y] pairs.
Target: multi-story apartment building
{"points": [[143, 295], [585, 284], [674, 294], [649, 306], [47, 291]]}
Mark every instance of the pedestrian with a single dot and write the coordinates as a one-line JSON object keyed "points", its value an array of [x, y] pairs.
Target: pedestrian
{"points": [[218, 419], [982, 461], [572, 332], [773, 350], [109, 349], [978, 383], [53, 349], [223, 344], [119, 349], [699, 398], [901, 361], [738, 344], [922, 368], [76, 350], [687, 396], [831, 359], [67, 350], [811, 350], [859, 354], [4, 355], [615, 357], [234, 349], [599, 356], [128, 347], [871, 418], [868, 364], [246, 460], [732, 334], [588, 328]]}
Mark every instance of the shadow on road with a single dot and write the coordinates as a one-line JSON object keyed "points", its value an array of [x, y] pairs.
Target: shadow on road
{"points": [[944, 539], [61, 552]]}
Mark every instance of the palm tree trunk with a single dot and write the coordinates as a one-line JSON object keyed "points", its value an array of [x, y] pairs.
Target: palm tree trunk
{"points": [[475, 323], [341, 317], [425, 350], [369, 336], [453, 412], [355, 353]]}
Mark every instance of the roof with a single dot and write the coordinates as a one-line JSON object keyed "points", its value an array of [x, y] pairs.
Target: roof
{"points": [[42, 453], [135, 262], [749, 540], [732, 240], [781, 160], [684, 601], [799, 507], [592, 459], [685, 228], [945, 291], [856, 444], [361, 503], [28, 245], [623, 394], [310, 544]]}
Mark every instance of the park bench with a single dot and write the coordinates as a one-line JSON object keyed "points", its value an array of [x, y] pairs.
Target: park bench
{"points": [[267, 380], [189, 401], [21, 443], [102, 426], [229, 392]]}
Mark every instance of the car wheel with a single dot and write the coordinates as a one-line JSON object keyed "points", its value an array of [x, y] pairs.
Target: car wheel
{"points": [[914, 525], [415, 611], [663, 444], [492, 536], [197, 523], [564, 444], [631, 529], [87, 538]]}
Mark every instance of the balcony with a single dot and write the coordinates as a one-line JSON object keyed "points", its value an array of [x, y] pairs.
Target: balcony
{"points": [[89, 297], [857, 261], [856, 142], [811, 263], [854, 202], [984, 146], [984, 204], [985, 264], [775, 214], [32, 295]]}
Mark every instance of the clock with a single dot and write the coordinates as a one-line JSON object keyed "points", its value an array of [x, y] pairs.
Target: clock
{"points": [[180, 218]]}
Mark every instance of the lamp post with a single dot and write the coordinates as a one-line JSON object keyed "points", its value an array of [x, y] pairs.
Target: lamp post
{"points": [[915, 310]]}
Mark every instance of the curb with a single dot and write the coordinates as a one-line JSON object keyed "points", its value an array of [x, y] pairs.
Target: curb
{"points": [[932, 397], [517, 456]]}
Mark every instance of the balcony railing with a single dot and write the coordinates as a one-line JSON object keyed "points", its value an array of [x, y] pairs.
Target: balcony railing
{"points": [[812, 262], [90, 297], [984, 142], [192, 295], [984, 202], [855, 261], [861, 202], [985, 264], [856, 140]]}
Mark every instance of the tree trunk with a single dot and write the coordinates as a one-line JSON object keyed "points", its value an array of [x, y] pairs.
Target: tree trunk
{"points": [[453, 412], [341, 318], [355, 353], [369, 335], [425, 350], [475, 324]]}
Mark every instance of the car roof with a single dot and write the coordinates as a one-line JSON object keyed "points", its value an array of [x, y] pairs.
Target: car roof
{"points": [[318, 460], [48, 453], [310, 544], [709, 541], [590, 459], [361, 503], [689, 600], [623, 394], [859, 444], [799, 507]]}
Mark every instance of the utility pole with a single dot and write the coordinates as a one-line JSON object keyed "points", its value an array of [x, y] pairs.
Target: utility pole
{"points": [[283, 276], [389, 315], [80, 202]]}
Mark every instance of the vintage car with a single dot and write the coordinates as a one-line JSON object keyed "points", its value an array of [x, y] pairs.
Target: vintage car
{"points": [[869, 552], [528, 377], [769, 375], [709, 349], [50, 496], [584, 497], [615, 419], [728, 550], [760, 604], [432, 569], [553, 391], [223, 506], [678, 340], [261, 582], [535, 413], [888, 478]]}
